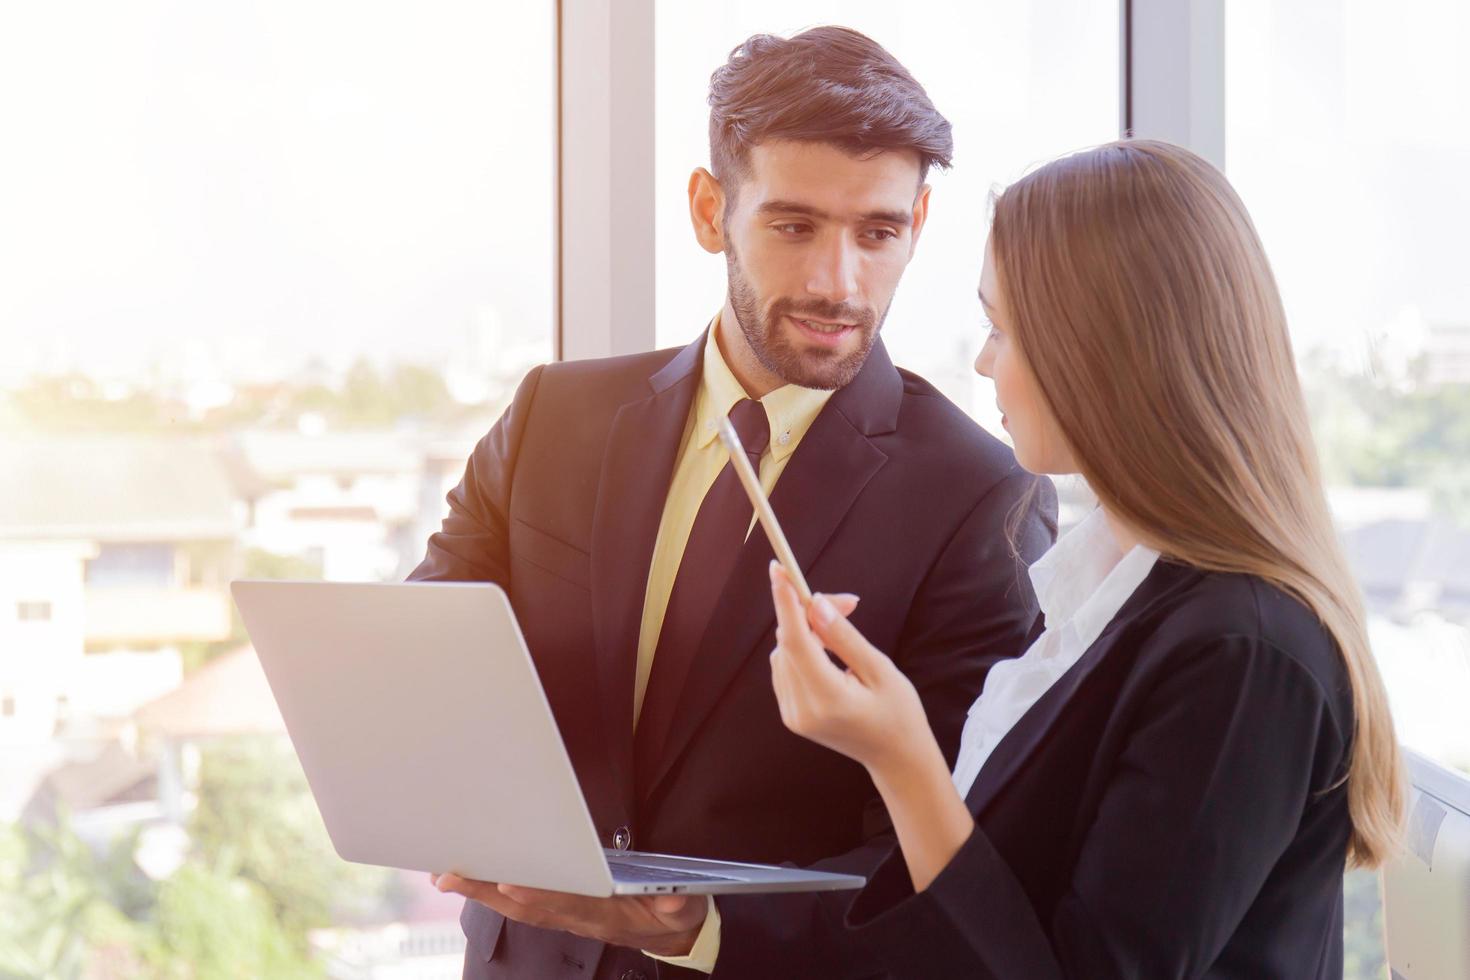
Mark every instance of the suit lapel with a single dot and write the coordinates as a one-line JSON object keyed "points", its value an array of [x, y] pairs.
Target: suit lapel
{"points": [[823, 479], [1032, 728], [637, 466]]}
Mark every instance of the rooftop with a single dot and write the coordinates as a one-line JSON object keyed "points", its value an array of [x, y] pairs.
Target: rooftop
{"points": [[114, 488], [227, 696]]}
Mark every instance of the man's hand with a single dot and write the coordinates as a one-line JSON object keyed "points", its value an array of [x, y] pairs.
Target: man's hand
{"points": [[662, 924]]}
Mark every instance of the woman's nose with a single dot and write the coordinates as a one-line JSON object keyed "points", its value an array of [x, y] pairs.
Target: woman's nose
{"points": [[985, 361]]}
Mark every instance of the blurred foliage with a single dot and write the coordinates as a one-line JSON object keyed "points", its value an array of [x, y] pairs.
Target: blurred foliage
{"points": [[57, 896], [213, 924], [259, 874], [259, 563], [255, 805], [1382, 428], [1362, 935], [366, 397]]}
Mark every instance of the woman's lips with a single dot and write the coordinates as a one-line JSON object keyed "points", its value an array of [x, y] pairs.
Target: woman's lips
{"points": [[825, 337]]}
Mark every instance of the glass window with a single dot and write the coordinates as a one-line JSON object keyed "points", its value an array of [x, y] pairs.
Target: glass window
{"points": [[1021, 82], [1348, 136], [33, 612], [132, 566], [266, 266]]}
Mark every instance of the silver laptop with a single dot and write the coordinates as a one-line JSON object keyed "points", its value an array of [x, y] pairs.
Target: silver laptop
{"points": [[428, 742], [1426, 892]]}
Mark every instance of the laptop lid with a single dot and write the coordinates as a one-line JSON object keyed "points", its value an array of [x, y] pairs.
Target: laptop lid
{"points": [[422, 750]]}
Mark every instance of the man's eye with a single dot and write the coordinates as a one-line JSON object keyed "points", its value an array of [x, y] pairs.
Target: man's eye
{"points": [[791, 228], [881, 234]]}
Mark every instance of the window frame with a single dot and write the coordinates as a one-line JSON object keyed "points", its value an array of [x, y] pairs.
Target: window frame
{"points": [[604, 250]]}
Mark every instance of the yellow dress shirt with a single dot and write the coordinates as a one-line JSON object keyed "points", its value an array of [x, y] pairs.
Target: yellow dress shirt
{"points": [[790, 410]]}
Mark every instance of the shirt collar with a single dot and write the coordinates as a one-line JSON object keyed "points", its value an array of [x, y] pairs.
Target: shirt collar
{"points": [[790, 409], [1086, 576]]}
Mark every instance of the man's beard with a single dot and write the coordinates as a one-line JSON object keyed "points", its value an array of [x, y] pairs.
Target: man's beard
{"points": [[811, 368]]}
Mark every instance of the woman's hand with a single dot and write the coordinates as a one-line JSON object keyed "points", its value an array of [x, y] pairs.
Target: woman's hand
{"points": [[869, 712]]}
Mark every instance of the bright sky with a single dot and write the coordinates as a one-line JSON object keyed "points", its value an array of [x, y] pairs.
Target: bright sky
{"points": [[1348, 137], [275, 179]]}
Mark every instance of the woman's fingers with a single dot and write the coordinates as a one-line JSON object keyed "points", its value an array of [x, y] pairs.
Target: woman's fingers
{"points": [[794, 634], [789, 613], [781, 678], [843, 602], [843, 639]]}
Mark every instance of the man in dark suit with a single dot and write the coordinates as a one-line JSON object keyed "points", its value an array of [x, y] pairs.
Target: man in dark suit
{"points": [[603, 503]]}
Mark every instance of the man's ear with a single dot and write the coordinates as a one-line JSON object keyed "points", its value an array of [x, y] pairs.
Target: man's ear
{"points": [[921, 215], [707, 210]]}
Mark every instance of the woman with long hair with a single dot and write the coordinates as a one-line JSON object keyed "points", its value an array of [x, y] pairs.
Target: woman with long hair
{"points": [[1170, 779]]}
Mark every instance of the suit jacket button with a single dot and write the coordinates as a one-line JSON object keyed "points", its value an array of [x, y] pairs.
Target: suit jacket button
{"points": [[634, 975], [622, 838]]}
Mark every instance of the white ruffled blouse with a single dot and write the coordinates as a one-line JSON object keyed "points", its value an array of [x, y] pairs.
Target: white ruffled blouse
{"points": [[1080, 583]]}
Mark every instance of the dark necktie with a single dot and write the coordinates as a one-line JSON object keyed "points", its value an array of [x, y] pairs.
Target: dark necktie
{"points": [[709, 557]]}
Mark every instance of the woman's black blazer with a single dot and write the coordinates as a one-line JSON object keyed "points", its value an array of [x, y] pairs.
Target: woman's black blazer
{"points": [[1173, 806]]}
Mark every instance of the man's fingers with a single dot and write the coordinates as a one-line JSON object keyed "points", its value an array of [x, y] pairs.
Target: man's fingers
{"points": [[845, 602], [482, 892], [468, 887], [559, 902], [449, 882], [669, 904]]}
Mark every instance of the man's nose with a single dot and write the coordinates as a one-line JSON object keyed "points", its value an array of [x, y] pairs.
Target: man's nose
{"points": [[834, 271]]}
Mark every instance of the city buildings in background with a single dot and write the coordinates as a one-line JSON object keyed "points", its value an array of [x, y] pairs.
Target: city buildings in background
{"points": [[213, 380], [123, 667]]}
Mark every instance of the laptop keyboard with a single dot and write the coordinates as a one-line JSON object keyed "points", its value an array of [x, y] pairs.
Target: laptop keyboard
{"points": [[640, 874]]}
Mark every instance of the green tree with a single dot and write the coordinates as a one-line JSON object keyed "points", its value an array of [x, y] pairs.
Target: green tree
{"points": [[365, 399], [1378, 430], [255, 808], [1362, 916], [212, 924], [68, 911], [419, 392]]}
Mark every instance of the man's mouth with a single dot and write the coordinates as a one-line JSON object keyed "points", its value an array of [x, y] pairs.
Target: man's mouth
{"points": [[822, 326], [823, 331]]}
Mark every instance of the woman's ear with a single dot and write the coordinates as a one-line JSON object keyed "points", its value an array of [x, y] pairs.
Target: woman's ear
{"points": [[707, 210]]}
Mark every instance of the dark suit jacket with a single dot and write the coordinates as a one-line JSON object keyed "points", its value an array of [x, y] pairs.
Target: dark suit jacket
{"points": [[893, 494], [1172, 807]]}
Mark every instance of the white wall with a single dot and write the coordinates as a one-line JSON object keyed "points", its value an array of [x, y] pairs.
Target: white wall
{"points": [[39, 659]]}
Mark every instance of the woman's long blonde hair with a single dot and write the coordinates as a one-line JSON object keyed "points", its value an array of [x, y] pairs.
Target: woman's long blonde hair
{"points": [[1140, 294]]}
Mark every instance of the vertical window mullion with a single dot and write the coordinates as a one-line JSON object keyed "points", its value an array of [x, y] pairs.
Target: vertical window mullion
{"points": [[1174, 73], [605, 245]]}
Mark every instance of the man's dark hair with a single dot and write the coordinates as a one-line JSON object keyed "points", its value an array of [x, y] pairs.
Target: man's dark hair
{"points": [[826, 85]]}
